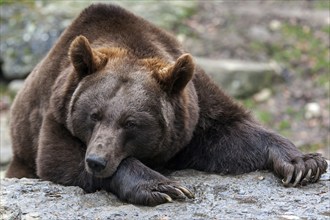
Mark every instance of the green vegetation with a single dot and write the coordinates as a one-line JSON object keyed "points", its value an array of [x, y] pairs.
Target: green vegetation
{"points": [[284, 125], [322, 4], [4, 91], [2, 2], [313, 147], [264, 116], [306, 48], [305, 52]]}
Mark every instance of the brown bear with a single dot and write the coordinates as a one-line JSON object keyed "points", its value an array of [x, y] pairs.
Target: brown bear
{"points": [[117, 98]]}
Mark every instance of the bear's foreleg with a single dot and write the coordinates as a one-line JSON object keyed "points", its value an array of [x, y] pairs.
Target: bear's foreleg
{"points": [[294, 167], [245, 146], [60, 157], [136, 183], [18, 168]]}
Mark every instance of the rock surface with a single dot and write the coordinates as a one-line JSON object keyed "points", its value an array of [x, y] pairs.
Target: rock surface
{"points": [[5, 143], [241, 78], [28, 32], [257, 195]]}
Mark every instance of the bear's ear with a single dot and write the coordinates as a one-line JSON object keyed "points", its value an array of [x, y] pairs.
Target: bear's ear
{"points": [[84, 59], [176, 77]]}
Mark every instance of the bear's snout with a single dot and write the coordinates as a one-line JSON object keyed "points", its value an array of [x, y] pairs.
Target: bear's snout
{"points": [[95, 163]]}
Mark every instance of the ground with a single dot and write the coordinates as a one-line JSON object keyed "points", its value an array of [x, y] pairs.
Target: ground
{"points": [[257, 195]]}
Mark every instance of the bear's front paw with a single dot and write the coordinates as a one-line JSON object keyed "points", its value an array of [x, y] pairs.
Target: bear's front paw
{"points": [[301, 170], [154, 193]]}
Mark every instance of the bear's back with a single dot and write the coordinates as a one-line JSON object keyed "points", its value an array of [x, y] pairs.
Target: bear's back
{"points": [[111, 25], [104, 25]]}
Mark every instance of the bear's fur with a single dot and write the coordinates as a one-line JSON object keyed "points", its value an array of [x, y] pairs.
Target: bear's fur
{"points": [[117, 98]]}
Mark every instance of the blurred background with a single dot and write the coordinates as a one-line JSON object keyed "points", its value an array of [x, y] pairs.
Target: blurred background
{"points": [[271, 55]]}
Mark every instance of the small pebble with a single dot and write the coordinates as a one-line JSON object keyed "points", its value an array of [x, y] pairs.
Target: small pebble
{"points": [[275, 25], [312, 110], [32, 216], [263, 95], [289, 217], [261, 178]]}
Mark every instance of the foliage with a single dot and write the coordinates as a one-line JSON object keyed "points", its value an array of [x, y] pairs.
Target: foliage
{"points": [[322, 4], [304, 51], [2, 2]]}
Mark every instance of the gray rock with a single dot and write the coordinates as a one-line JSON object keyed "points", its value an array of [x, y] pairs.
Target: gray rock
{"points": [[239, 78], [28, 31], [259, 33], [263, 95], [15, 85], [257, 195], [5, 143]]}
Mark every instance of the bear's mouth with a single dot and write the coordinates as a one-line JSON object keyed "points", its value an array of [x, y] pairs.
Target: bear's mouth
{"points": [[99, 167], [101, 174]]}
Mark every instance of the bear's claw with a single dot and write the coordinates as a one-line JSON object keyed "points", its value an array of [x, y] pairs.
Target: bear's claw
{"points": [[307, 177], [298, 178], [168, 198], [154, 194], [186, 192], [317, 176], [174, 191], [302, 170]]}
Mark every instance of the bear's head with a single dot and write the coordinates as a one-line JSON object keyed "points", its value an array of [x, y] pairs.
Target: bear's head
{"points": [[123, 106]]}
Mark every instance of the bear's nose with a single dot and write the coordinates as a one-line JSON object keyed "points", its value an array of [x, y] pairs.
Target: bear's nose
{"points": [[96, 163]]}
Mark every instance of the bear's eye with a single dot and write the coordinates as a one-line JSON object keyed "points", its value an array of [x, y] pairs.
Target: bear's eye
{"points": [[95, 117], [129, 125]]}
